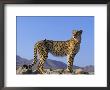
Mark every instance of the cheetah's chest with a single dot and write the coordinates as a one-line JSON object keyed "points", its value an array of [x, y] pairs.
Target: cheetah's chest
{"points": [[76, 48]]}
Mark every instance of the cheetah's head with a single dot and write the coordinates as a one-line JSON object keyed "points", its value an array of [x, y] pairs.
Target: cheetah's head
{"points": [[77, 33]]}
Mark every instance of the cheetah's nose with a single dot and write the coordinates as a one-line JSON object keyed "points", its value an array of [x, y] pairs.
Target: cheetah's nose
{"points": [[81, 31]]}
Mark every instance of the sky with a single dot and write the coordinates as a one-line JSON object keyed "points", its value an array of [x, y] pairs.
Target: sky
{"points": [[31, 29]]}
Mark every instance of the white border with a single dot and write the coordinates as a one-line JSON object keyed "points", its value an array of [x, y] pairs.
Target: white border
{"points": [[100, 77]]}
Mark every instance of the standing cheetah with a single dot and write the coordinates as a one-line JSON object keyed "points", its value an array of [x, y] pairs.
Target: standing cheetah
{"points": [[67, 48]]}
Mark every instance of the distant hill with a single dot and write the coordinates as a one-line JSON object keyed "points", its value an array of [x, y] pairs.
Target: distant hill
{"points": [[51, 64], [89, 68], [20, 61]]}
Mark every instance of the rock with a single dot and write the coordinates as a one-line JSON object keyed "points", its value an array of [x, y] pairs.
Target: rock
{"points": [[80, 71]]}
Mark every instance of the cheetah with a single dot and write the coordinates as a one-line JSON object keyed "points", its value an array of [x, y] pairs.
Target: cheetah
{"points": [[67, 48]]}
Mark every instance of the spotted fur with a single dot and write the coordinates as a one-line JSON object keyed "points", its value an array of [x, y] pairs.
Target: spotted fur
{"points": [[67, 48]]}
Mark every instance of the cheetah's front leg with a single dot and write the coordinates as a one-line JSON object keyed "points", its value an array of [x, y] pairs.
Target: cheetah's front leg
{"points": [[70, 63]]}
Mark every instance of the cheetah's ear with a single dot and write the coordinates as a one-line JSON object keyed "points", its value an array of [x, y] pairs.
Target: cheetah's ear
{"points": [[74, 32]]}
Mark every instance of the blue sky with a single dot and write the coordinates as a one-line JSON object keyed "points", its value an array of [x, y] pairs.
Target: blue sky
{"points": [[31, 29]]}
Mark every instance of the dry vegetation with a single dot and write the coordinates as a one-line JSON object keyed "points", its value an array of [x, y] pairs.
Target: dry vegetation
{"points": [[20, 70]]}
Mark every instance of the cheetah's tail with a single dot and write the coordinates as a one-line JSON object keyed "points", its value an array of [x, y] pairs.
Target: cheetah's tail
{"points": [[35, 55]]}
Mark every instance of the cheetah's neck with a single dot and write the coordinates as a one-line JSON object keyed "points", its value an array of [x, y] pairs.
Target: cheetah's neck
{"points": [[78, 39]]}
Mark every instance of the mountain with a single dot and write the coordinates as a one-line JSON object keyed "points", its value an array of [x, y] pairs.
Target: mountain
{"points": [[54, 64], [51, 64], [89, 68], [20, 61]]}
